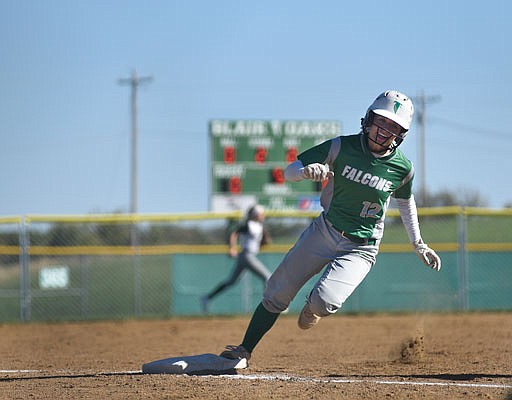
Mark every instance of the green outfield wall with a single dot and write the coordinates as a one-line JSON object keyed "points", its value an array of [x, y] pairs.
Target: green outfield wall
{"points": [[398, 282]]}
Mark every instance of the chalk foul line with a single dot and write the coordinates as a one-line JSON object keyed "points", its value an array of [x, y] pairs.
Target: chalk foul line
{"points": [[280, 377], [377, 381]]}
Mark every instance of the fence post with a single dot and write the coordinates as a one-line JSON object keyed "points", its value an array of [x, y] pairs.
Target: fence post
{"points": [[462, 227], [24, 272], [137, 282], [84, 285], [136, 263]]}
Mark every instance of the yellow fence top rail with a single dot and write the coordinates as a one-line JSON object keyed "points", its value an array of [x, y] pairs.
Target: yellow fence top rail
{"points": [[11, 220], [175, 217], [130, 218], [487, 211]]}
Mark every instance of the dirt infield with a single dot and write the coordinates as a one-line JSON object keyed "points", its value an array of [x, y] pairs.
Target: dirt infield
{"points": [[450, 356]]}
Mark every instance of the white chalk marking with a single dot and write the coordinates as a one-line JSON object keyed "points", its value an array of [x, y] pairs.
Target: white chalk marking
{"points": [[18, 371], [381, 382], [281, 377]]}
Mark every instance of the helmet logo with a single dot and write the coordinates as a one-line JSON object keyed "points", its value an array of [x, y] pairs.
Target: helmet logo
{"points": [[396, 106]]}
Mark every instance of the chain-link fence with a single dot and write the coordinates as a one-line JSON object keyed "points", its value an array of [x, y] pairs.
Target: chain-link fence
{"points": [[120, 266]]}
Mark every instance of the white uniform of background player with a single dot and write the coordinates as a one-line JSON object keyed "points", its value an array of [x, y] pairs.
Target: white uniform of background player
{"points": [[252, 235]]}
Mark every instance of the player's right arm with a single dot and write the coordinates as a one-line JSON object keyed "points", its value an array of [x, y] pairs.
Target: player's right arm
{"points": [[233, 244], [311, 164], [293, 171], [317, 172], [315, 163]]}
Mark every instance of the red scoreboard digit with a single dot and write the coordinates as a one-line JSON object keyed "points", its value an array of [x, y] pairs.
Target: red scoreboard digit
{"points": [[260, 156], [235, 185], [278, 176], [229, 155], [291, 154]]}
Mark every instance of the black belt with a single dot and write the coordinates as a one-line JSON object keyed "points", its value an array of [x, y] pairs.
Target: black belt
{"points": [[356, 239], [353, 238]]}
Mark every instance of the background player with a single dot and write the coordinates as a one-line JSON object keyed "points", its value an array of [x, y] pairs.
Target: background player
{"points": [[252, 235], [363, 171]]}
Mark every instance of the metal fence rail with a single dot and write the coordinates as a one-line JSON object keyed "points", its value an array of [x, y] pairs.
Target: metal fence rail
{"points": [[125, 266]]}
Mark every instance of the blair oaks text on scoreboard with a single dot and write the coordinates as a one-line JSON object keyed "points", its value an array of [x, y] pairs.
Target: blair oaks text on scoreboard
{"points": [[248, 158]]}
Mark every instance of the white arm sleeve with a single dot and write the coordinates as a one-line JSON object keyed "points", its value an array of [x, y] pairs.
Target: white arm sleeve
{"points": [[409, 215], [293, 171]]}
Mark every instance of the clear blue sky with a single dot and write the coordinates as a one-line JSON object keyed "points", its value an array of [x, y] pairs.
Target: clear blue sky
{"points": [[65, 120]]}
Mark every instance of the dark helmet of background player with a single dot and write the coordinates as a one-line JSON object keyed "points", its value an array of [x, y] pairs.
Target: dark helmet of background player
{"points": [[254, 211]]}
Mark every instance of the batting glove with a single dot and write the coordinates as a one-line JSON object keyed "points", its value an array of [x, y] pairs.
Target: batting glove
{"points": [[317, 172], [427, 255]]}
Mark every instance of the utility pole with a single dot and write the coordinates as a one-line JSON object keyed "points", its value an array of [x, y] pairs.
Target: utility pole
{"points": [[134, 81], [421, 108]]}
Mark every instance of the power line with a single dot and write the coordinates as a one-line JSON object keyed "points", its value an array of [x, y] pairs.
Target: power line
{"points": [[470, 129]]}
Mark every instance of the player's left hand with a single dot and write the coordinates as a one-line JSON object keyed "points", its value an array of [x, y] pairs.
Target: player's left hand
{"points": [[427, 255]]}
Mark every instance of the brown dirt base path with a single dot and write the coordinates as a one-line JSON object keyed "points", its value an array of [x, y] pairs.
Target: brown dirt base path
{"points": [[424, 356]]}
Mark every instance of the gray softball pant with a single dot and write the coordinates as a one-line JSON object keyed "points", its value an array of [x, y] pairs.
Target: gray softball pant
{"points": [[246, 260], [347, 263]]}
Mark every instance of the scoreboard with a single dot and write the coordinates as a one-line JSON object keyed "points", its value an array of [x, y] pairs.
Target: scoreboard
{"points": [[248, 159]]}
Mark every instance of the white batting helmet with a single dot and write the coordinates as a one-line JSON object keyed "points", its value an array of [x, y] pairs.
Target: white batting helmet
{"points": [[393, 105]]}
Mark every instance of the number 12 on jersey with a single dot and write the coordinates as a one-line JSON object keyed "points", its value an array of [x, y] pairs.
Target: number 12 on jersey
{"points": [[370, 210]]}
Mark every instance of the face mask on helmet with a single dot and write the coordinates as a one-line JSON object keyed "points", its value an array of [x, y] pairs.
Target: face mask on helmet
{"points": [[395, 106]]}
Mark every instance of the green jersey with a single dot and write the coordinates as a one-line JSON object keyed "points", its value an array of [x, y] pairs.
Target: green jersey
{"points": [[356, 199]]}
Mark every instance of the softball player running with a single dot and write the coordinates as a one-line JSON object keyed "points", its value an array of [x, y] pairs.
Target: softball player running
{"points": [[363, 171], [252, 235]]}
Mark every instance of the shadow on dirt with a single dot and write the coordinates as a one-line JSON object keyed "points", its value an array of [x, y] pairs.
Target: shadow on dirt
{"points": [[100, 374]]}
